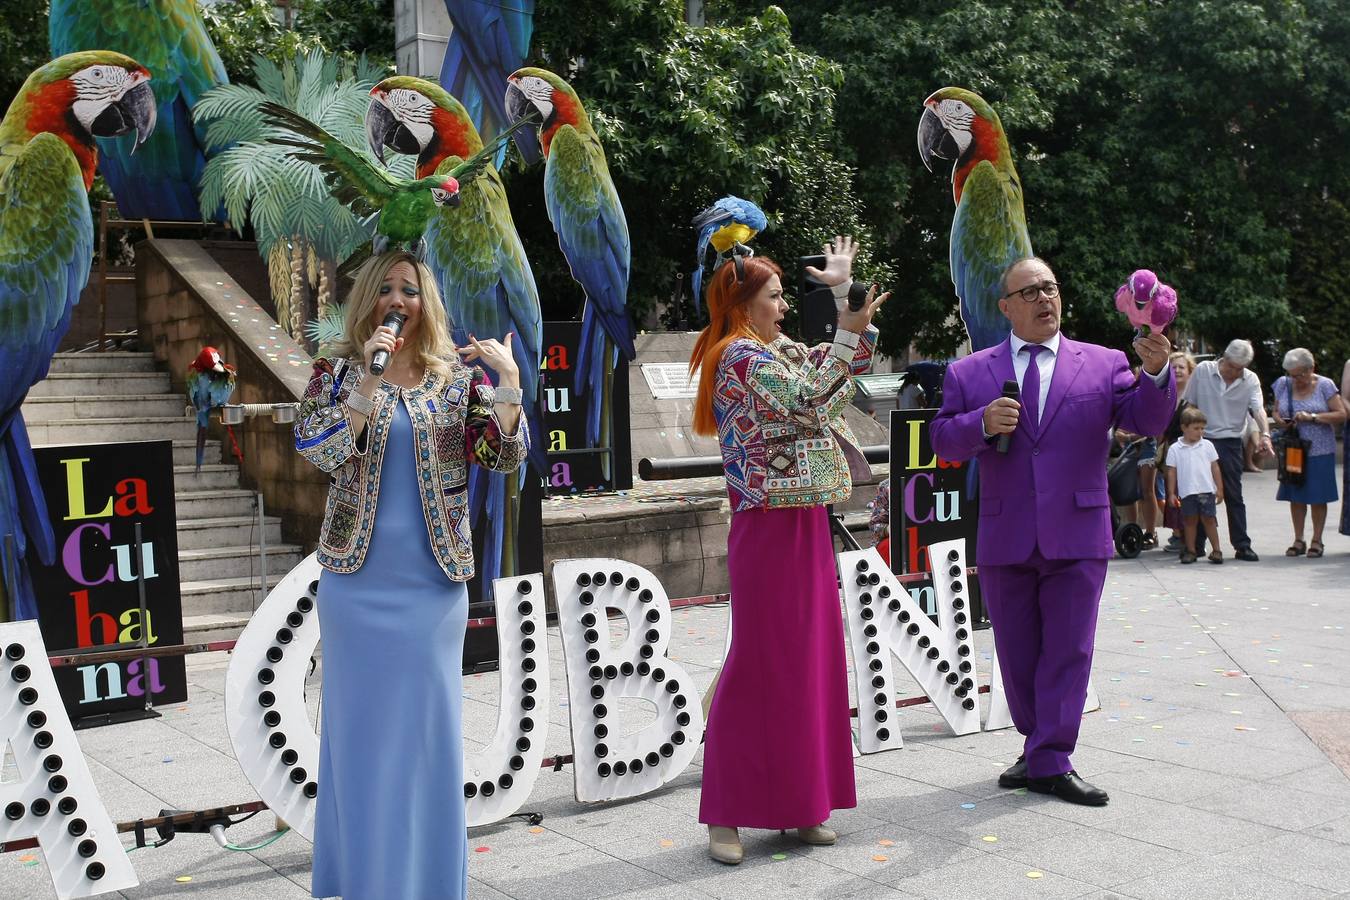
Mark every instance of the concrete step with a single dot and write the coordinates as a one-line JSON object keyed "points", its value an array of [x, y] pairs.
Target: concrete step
{"points": [[56, 409], [185, 453], [211, 477], [226, 531], [87, 384], [65, 363], [113, 430], [225, 595], [214, 627], [213, 504], [235, 562]]}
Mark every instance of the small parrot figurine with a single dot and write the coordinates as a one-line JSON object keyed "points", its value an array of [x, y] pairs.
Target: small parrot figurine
{"points": [[404, 207], [47, 160], [481, 269], [210, 382], [169, 37], [989, 229], [592, 232], [1146, 302], [488, 41], [727, 222]]}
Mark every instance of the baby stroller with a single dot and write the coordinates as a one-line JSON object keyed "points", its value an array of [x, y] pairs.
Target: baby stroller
{"points": [[1122, 485]]}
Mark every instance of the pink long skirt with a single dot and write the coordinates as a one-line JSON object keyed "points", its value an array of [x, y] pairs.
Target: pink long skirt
{"points": [[778, 751]]}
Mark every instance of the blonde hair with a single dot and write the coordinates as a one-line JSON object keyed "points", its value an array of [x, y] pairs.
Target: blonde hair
{"points": [[433, 350], [1182, 356]]}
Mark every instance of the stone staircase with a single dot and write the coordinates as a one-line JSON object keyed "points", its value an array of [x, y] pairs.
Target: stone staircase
{"points": [[92, 398]]}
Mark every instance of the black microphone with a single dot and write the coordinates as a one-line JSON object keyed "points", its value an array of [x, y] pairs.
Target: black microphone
{"points": [[857, 295], [394, 321], [1010, 391]]}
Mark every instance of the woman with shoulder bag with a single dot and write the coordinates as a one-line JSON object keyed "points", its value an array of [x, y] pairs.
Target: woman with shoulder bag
{"points": [[1309, 406]]}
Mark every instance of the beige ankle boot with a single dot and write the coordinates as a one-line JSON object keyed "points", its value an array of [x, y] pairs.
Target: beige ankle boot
{"points": [[818, 835], [724, 845]]}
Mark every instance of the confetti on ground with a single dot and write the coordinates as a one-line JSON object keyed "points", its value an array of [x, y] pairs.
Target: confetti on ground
{"points": [[779, 856], [967, 805], [666, 842], [1034, 875], [1021, 792], [536, 830], [183, 879], [990, 839], [168, 759], [1243, 728], [480, 849], [1201, 684], [886, 842], [1137, 740], [27, 857], [879, 858]]}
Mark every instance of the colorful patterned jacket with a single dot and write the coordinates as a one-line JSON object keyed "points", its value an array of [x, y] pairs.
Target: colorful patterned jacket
{"points": [[780, 420], [453, 425]]}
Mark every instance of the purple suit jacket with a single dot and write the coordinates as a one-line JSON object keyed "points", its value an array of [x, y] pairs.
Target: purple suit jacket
{"points": [[1049, 490]]}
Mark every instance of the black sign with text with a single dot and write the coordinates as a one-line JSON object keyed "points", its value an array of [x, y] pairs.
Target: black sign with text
{"points": [[96, 495], [587, 431], [932, 500]]}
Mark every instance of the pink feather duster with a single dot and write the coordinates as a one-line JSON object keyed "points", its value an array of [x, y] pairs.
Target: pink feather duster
{"points": [[1147, 302]]}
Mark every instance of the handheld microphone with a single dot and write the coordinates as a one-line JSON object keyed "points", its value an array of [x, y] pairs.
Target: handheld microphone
{"points": [[394, 321], [1010, 391], [857, 295]]}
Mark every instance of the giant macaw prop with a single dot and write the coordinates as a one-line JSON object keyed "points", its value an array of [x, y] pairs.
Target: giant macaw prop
{"points": [[728, 222], [489, 40], [989, 229], [592, 232], [405, 207], [47, 160], [481, 270], [210, 382], [1146, 302], [169, 37]]}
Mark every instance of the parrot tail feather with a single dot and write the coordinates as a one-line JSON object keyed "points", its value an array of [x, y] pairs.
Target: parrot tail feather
{"points": [[201, 448]]}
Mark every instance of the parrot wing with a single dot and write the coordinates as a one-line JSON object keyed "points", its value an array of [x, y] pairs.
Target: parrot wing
{"points": [[989, 233], [352, 179], [488, 42], [592, 230], [219, 390], [486, 282], [46, 244]]}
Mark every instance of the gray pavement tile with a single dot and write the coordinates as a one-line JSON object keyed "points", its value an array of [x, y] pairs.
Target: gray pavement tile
{"points": [[991, 876], [480, 891], [1215, 880], [1166, 781], [614, 823], [1190, 830], [1299, 858], [1095, 856], [889, 853], [584, 874], [762, 876], [1322, 778], [1335, 830], [995, 827], [1122, 805], [1279, 806]]}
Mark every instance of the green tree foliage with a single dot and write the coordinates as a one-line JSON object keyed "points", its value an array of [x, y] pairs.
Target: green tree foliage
{"points": [[23, 44], [687, 115], [244, 29]]}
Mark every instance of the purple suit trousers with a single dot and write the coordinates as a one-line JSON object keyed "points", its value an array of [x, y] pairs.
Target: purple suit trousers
{"points": [[1045, 523]]}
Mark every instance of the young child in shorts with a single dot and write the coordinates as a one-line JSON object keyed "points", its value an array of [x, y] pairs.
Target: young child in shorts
{"points": [[1194, 483]]}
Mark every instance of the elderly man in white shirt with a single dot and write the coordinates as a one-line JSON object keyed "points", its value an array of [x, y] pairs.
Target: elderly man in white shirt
{"points": [[1226, 391]]}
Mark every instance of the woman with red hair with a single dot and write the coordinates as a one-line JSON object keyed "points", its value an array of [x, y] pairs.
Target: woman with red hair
{"points": [[778, 751]]}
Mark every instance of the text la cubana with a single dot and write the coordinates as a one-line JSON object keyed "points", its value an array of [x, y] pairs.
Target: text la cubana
{"points": [[557, 400], [131, 498], [924, 504]]}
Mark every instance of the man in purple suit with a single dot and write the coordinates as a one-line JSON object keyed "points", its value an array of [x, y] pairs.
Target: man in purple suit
{"points": [[1045, 519]]}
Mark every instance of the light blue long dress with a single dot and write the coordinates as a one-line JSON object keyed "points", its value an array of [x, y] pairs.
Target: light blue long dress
{"points": [[390, 818]]}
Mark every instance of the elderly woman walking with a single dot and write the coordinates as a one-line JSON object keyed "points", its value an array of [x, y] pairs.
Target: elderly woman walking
{"points": [[1311, 405]]}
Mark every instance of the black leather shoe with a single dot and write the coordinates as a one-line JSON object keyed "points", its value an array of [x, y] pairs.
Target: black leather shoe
{"points": [[1069, 787], [1246, 554], [1015, 776]]}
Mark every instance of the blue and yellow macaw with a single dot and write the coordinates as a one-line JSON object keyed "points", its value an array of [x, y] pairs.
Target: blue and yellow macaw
{"points": [[160, 181], [727, 222], [989, 229], [489, 39], [592, 231], [47, 161], [481, 269]]}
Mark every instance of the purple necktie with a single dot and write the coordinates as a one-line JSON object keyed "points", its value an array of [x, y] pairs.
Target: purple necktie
{"points": [[1031, 389]]}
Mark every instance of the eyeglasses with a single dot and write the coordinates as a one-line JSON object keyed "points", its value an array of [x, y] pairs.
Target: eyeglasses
{"points": [[1031, 292]]}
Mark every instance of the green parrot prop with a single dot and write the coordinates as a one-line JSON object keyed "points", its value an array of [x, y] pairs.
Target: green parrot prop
{"points": [[47, 161], [989, 229], [592, 231], [481, 270], [169, 37], [405, 207]]}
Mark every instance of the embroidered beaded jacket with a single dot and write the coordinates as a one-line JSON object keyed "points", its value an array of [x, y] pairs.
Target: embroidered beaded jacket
{"points": [[453, 425], [780, 421]]}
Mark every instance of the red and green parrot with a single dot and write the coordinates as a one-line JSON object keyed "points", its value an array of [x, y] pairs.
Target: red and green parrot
{"points": [[481, 270], [169, 37], [210, 382], [47, 161], [989, 229], [592, 232]]}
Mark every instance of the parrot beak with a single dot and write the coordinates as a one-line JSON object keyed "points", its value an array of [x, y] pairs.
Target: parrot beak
{"points": [[136, 111], [218, 367], [518, 107], [383, 130], [934, 139]]}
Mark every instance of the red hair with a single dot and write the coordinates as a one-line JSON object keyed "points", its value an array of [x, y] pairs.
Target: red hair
{"points": [[728, 320]]}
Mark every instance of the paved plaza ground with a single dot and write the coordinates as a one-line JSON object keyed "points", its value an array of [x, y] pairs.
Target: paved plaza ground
{"points": [[1225, 711]]}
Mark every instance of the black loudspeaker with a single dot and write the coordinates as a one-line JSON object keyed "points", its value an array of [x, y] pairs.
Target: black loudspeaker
{"points": [[816, 306]]}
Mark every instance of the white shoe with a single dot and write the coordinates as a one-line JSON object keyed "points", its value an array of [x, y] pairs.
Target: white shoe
{"points": [[724, 845], [817, 835]]}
